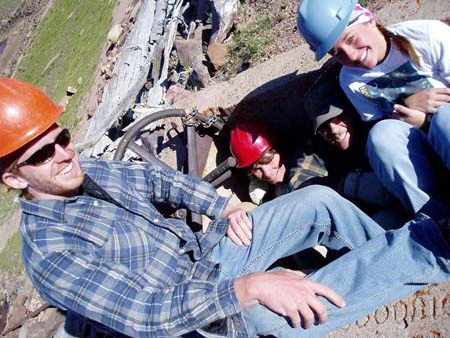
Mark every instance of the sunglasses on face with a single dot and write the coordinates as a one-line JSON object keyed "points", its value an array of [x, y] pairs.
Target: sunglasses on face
{"points": [[324, 130], [47, 152]]}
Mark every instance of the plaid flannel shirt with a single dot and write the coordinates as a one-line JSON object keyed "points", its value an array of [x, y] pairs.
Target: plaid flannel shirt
{"points": [[109, 255], [307, 166]]}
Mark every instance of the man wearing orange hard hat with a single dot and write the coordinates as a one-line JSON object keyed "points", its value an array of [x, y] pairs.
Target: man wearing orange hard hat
{"points": [[28, 120], [96, 245]]}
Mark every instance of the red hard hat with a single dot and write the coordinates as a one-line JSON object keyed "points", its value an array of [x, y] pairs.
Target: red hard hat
{"points": [[25, 113], [249, 142]]}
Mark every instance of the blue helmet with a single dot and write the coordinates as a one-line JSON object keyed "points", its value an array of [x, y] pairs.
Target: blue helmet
{"points": [[322, 22]]}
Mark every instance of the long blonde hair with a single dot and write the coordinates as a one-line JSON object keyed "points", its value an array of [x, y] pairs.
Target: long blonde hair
{"points": [[402, 43]]}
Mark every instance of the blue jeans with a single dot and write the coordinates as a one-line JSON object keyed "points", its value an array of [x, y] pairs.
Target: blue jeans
{"points": [[406, 163], [439, 135], [389, 266]]}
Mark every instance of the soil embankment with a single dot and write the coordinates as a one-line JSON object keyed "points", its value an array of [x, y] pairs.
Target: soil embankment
{"points": [[17, 30]]}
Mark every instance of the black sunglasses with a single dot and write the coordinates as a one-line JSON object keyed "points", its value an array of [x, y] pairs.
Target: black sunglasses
{"points": [[47, 152]]}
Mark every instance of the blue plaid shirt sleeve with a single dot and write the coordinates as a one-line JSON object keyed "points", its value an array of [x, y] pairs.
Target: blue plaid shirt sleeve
{"points": [[183, 191], [157, 184]]}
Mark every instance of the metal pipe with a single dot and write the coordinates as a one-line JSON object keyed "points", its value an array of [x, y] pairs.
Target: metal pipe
{"points": [[223, 167]]}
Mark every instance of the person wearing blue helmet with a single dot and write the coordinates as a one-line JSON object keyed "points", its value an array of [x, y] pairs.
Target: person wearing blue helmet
{"points": [[398, 74]]}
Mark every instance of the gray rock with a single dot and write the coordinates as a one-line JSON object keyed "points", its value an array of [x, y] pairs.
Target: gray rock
{"points": [[114, 33], [424, 314], [224, 12], [218, 54], [175, 93], [191, 56], [71, 90]]}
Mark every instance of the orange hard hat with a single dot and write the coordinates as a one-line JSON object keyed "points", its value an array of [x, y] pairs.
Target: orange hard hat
{"points": [[25, 113], [249, 142]]}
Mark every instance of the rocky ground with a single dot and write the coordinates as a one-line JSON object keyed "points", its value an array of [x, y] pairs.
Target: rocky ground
{"points": [[282, 70]]}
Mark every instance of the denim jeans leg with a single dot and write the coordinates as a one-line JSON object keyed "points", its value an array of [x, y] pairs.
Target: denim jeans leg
{"points": [[294, 222], [78, 326], [288, 224], [386, 268], [404, 162], [439, 134]]}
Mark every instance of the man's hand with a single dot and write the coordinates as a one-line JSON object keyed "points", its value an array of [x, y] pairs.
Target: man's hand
{"points": [[288, 293], [408, 115], [428, 100], [240, 230]]}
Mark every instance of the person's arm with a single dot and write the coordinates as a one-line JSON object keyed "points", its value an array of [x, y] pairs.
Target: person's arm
{"points": [[294, 296], [439, 49], [434, 48], [166, 185], [428, 100], [420, 107], [414, 117], [198, 196], [136, 304], [128, 302]]}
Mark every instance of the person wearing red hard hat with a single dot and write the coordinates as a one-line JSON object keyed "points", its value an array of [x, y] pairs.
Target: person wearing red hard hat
{"points": [[254, 147], [252, 144]]}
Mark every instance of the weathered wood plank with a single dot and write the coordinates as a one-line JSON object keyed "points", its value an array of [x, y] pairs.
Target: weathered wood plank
{"points": [[156, 93], [129, 75], [148, 46]]}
